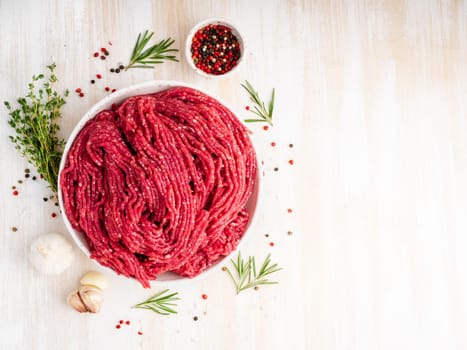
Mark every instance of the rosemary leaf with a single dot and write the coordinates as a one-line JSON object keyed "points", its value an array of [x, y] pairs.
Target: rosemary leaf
{"points": [[146, 57], [160, 303], [259, 108], [246, 275]]}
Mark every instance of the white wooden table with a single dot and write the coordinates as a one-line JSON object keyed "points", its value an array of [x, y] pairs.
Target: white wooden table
{"points": [[372, 94]]}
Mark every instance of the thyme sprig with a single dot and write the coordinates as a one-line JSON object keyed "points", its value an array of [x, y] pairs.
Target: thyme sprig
{"points": [[263, 114], [161, 303], [35, 123], [246, 274], [143, 57]]}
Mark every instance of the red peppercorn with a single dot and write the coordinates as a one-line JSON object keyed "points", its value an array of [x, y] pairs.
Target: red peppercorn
{"points": [[107, 88], [127, 322], [140, 333], [98, 76], [54, 215], [273, 144], [113, 90], [291, 162], [96, 54], [102, 57], [204, 296], [247, 108], [265, 128], [15, 193], [121, 321], [103, 49], [81, 94], [271, 244], [78, 90], [289, 210], [117, 326]]}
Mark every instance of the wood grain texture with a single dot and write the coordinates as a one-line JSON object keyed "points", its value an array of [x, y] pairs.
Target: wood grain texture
{"points": [[373, 96]]}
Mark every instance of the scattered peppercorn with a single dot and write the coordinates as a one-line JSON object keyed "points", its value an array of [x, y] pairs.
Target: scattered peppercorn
{"points": [[15, 193], [266, 235], [140, 333], [204, 296], [56, 204], [290, 233], [81, 94], [98, 76], [224, 268], [117, 326], [291, 145], [265, 128], [256, 287], [93, 81], [127, 323], [78, 90], [14, 229], [54, 215], [113, 90], [26, 175], [273, 144], [102, 57], [271, 244], [289, 210], [117, 70], [112, 70], [34, 178], [276, 169], [27, 170], [106, 53], [215, 49], [20, 181], [121, 66], [291, 162], [45, 199], [195, 318], [13, 187], [96, 54]]}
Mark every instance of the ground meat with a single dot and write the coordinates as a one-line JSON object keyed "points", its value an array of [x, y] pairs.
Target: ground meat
{"points": [[160, 183]]}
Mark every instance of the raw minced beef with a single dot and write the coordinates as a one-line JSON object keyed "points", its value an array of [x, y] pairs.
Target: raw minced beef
{"points": [[160, 183]]}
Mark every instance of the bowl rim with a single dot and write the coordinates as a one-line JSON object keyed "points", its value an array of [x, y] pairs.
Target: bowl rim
{"points": [[203, 23], [119, 96]]}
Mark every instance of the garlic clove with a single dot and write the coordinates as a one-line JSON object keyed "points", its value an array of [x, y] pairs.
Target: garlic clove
{"points": [[96, 279], [51, 253], [91, 297], [75, 302]]}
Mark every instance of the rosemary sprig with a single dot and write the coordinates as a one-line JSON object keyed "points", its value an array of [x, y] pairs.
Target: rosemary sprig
{"points": [[160, 303], [143, 57], [35, 123], [246, 274], [264, 114]]}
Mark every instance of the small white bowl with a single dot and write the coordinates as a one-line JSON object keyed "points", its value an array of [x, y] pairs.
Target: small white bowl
{"points": [[202, 24], [117, 98]]}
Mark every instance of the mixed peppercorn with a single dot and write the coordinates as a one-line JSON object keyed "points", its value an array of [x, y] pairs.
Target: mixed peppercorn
{"points": [[215, 49]]}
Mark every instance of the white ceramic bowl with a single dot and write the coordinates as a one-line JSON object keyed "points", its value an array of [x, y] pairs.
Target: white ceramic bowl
{"points": [[202, 24], [116, 98]]}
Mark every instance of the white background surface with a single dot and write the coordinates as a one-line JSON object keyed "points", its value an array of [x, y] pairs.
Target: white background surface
{"points": [[373, 96]]}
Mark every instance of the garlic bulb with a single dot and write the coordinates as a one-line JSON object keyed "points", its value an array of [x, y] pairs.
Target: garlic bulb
{"points": [[51, 253], [94, 278]]}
